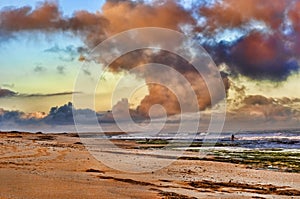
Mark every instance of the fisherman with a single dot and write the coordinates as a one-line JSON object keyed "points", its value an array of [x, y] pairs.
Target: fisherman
{"points": [[232, 137]]}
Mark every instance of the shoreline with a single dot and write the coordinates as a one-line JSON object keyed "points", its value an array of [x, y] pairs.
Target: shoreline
{"points": [[37, 165]]}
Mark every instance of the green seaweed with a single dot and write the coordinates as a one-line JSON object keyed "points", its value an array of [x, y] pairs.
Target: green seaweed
{"points": [[273, 160]]}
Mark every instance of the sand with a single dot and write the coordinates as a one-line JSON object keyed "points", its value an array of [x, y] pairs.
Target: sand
{"points": [[59, 166]]}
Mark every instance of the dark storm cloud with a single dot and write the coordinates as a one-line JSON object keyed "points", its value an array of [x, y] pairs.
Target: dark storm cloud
{"points": [[159, 93], [10, 93], [267, 46], [267, 53], [62, 115], [48, 94], [10, 116], [17, 118], [270, 53], [7, 93], [257, 55]]}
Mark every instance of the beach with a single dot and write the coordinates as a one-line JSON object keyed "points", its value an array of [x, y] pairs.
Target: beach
{"points": [[37, 165]]}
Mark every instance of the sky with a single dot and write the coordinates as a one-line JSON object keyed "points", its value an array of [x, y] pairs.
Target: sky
{"points": [[254, 45], [67, 6], [27, 53]]}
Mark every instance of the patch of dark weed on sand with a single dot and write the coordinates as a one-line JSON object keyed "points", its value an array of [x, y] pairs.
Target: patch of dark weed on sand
{"points": [[257, 188], [94, 171]]}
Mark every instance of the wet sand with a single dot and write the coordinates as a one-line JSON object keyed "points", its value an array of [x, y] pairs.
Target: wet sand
{"points": [[59, 166]]}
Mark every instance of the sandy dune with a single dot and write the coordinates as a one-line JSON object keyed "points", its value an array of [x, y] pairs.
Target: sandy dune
{"points": [[59, 166]]}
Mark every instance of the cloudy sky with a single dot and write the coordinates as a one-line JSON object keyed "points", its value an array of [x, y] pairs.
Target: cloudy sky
{"points": [[254, 43]]}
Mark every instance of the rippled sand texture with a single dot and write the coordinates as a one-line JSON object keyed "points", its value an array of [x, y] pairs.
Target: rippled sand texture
{"points": [[59, 166]]}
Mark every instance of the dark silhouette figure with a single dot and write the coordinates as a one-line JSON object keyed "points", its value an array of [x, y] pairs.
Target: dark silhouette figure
{"points": [[232, 137]]}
